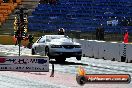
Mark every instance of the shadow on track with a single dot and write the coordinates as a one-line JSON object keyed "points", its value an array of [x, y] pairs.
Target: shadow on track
{"points": [[36, 73], [67, 63]]}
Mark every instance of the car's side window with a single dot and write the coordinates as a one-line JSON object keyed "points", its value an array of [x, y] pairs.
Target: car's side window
{"points": [[47, 40]]}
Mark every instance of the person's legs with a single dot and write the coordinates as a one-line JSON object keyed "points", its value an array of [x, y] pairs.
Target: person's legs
{"points": [[16, 42]]}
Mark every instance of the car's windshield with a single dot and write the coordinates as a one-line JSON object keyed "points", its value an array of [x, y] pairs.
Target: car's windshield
{"points": [[49, 38], [62, 40]]}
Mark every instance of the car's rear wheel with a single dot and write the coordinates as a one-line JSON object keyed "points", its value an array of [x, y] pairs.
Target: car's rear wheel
{"points": [[60, 59], [33, 52], [78, 57]]}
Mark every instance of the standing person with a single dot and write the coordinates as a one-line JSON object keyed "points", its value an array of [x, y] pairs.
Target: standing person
{"points": [[97, 34], [126, 37], [102, 33], [30, 39]]}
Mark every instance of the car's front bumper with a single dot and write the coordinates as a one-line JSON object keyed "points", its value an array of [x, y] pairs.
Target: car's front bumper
{"points": [[66, 53]]}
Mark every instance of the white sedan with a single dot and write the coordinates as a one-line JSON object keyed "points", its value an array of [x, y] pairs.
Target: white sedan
{"points": [[59, 47]]}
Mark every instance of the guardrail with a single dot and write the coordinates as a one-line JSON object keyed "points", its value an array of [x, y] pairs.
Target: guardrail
{"points": [[106, 50]]}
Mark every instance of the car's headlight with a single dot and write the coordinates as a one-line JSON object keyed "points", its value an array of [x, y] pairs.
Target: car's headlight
{"points": [[77, 46], [56, 46]]}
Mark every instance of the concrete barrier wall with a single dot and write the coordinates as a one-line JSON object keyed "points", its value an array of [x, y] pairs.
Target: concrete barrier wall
{"points": [[89, 48], [95, 49], [111, 51], [102, 49], [129, 53], [106, 50]]}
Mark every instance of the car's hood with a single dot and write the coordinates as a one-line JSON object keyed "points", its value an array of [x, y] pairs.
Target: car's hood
{"points": [[63, 41]]}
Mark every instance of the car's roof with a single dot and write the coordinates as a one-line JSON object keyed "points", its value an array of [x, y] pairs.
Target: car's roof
{"points": [[54, 35]]}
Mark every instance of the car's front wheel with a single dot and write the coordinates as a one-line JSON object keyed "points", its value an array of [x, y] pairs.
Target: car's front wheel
{"points": [[33, 52], [78, 57]]}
